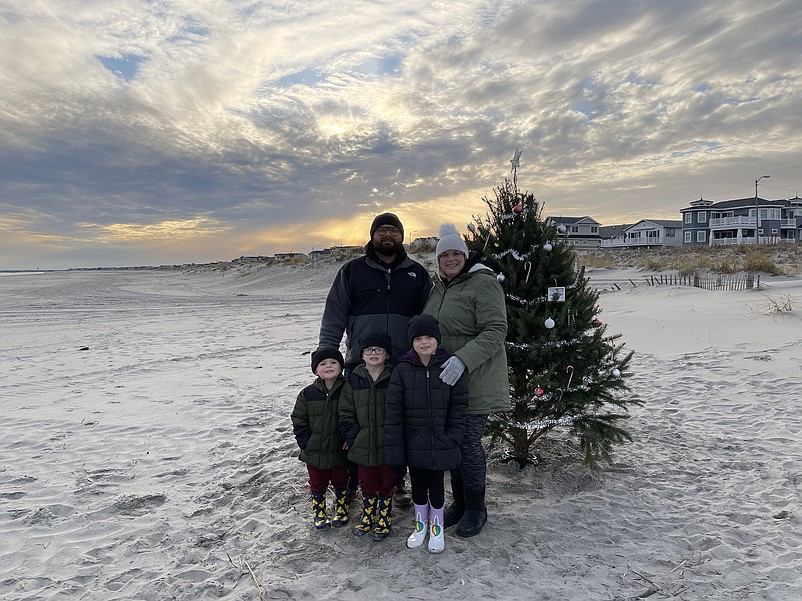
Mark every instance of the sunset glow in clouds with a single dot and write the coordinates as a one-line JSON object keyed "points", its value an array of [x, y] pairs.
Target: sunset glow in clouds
{"points": [[138, 133]]}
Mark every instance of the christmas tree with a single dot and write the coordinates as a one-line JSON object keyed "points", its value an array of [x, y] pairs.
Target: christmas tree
{"points": [[565, 371]]}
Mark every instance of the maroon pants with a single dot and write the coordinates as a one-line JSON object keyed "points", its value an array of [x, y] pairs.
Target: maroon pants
{"points": [[319, 479], [377, 481]]}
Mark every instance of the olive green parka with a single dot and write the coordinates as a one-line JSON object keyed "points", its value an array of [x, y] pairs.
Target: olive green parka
{"points": [[472, 314], [362, 416], [315, 424]]}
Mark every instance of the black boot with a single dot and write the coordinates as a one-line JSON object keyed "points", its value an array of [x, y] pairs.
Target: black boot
{"points": [[456, 509], [475, 516]]}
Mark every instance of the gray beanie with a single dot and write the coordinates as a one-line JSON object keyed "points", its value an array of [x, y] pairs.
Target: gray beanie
{"points": [[450, 240]]}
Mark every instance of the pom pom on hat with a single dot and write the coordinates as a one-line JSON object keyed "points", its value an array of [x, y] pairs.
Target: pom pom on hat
{"points": [[423, 325], [386, 219], [327, 352], [379, 339], [450, 240]]}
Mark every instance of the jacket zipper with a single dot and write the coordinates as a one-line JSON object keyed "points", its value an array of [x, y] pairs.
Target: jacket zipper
{"points": [[431, 419]]}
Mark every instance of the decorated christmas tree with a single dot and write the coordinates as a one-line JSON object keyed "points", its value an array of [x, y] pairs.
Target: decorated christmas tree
{"points": [[565, 371]]}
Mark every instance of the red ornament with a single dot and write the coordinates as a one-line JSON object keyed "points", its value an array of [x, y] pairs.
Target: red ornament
{"points": [[517, 209], [596, 323], [539, 391]]}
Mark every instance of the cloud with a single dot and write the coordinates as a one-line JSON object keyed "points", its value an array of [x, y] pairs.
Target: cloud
{"points": [[270, 117]]}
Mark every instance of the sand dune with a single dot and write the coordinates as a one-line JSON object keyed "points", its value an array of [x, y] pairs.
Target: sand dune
{"points": [[147, 453]]}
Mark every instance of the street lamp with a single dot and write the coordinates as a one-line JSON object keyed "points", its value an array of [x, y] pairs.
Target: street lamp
{"points": [[757, 211]]}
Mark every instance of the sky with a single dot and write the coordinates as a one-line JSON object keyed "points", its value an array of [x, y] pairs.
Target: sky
{"points": [[149, 132]]}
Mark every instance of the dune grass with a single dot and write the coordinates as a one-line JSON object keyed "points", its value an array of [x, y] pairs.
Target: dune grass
{"points": [[774, 259]]}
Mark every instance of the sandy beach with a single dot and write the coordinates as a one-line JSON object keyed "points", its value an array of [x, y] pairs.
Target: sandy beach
{"points": [[147, 452]]}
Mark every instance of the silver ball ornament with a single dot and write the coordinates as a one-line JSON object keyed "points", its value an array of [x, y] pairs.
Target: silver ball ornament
{"points": [[616, 373], [549, 323], [561, 229], [500, 277], [547, 247]]}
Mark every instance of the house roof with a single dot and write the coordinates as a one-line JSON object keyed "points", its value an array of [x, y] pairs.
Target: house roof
{"points": [[573, 220], [740, 202], [608, 231], [660, 222]]}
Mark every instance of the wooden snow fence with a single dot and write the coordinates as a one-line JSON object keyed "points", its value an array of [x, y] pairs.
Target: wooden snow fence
{"points": [[708, 281]]}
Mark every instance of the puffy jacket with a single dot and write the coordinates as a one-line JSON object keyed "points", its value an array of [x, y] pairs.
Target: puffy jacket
{"points": [[424, 419], [315, 424], [473, 322], [368, 296], [362, 416]]}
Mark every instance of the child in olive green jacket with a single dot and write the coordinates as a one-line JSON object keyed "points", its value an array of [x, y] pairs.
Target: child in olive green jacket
{"points": [[315, 425]]}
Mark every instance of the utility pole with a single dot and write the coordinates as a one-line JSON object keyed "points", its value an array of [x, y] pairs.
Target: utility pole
{"points": [[757, 210]]}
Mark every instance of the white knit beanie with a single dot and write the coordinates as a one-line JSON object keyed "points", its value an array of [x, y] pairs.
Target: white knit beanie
{"points": [[450, 240]]}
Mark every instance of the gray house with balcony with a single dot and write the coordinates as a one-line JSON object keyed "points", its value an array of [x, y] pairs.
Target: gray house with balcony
{"points": [[742, 221], [645, 233]]}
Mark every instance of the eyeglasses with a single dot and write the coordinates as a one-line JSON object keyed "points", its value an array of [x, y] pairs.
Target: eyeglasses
{"points": [[388, 231], [374, 350]]}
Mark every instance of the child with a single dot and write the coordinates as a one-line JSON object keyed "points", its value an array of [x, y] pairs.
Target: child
{"points": [[315, 425], [424, 424], [362, 427]]}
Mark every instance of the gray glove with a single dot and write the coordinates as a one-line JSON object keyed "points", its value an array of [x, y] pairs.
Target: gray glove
{"points": [[452, 370]]}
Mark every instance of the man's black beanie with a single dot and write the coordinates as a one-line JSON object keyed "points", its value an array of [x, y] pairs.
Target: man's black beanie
{"points": [[386, 219]]}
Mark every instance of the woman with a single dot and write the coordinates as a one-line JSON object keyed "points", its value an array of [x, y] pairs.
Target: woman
{"points": [[468, 302]]}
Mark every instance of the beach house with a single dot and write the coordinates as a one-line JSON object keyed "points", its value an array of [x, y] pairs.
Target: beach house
{"points": [[579, 231], [742, 221], [648, 233]]}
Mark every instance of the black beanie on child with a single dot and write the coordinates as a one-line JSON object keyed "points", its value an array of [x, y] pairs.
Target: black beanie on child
{"points": [[327, 352], [423, 325], [379, 339], [386, 219]]}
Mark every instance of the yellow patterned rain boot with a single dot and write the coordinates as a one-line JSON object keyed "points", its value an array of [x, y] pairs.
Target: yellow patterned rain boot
{"points": [[384, 519], [319, 517], [365, 524], [341, 507]]}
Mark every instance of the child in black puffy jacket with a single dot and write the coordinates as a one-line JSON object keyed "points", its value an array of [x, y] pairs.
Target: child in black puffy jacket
{"points": [[424, 420]]}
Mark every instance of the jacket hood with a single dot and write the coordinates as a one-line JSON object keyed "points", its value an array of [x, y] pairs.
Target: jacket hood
{"points": [[473, 264], [320, 385], [361, 371], [411, 356]]}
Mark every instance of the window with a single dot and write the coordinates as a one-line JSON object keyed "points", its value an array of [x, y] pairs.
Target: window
{"points": [[791, 234], [671, 232], [773, 231], [689, 218], [594, 229], [574, 229], [701, 236], [702, 217], [760, 232], [688, 237]]}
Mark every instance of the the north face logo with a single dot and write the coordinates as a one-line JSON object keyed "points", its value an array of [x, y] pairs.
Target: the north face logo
{"points": [[412, 274]]}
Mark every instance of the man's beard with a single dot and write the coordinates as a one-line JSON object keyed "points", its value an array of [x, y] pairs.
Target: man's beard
{"points": [[388, 247]]}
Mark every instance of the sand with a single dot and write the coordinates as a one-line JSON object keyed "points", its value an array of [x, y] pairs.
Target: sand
{"points": [[147, 452]]}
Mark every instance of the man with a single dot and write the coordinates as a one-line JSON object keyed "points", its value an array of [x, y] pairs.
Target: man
{"points": [[377, 292]]}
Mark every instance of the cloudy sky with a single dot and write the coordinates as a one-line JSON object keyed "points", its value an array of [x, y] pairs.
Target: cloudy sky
{"points": [[169, 131]]}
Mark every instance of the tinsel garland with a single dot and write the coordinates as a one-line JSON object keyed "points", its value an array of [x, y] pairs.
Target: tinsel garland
{"points": [[523, 346], [526, 302], [513, 252], [550, 423]]}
